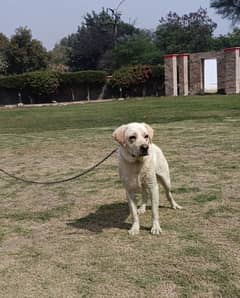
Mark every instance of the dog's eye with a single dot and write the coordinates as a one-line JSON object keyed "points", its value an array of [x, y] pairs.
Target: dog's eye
{"points": [[146, 136], [132, 138]]}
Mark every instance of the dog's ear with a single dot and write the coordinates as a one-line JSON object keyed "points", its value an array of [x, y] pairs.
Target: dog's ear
{"points": [[119, 134], [150, 131]]}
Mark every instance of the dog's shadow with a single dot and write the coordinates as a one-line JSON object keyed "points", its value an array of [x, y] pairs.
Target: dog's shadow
{"points": [[106, 217]]}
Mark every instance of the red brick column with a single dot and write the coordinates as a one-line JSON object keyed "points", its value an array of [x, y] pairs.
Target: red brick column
{"points": [[170, 70], [232, 70], [183, 74]]}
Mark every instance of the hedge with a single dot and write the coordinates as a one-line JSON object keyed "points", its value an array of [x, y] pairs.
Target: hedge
{"points": [[48, 85], [41, 83], [47, 82], [12, 82], [37, 83], [82, 78]]}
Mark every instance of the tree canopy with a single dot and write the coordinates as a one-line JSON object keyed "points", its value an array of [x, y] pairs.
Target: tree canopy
{"points": [[4, 42], [138, 49], [229, 9], [24, 53], [188, 33], [97, 34]]}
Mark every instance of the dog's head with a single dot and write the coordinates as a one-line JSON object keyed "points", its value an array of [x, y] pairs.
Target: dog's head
{"points": [[135, 138]]}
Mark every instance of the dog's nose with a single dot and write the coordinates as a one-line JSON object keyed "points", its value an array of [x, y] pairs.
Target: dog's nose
{"points": [[144, 149]]}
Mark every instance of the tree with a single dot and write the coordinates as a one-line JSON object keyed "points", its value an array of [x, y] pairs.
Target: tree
{"points": [[93, 38], [137, 49], [229, 9], [24, 53], [188, 33], [96, 35], [227, 41], [59, 54], [3, 64], [4, 42]]}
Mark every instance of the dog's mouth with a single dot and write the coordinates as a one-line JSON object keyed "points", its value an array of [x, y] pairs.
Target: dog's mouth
{"points": [[141, 154], [144, 153]]}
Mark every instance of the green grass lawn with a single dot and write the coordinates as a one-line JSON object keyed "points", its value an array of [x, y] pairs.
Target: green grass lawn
{"points": [[71, 240], [110, 114]]}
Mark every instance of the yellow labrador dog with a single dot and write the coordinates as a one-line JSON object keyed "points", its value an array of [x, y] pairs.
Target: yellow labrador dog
{"points": [[141, 166]]}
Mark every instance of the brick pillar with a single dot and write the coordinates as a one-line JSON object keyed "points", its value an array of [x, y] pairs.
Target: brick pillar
{"points": [[221, 73], [170, 70], [183, 74], [232, 70], [196, 74]]}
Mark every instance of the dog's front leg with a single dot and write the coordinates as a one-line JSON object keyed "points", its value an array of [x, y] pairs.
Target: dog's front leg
{"points": [[156, 229], [133, 209]]}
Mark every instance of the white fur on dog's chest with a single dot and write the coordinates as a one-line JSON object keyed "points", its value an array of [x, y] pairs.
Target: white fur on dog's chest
{"points": [[141, 175]]}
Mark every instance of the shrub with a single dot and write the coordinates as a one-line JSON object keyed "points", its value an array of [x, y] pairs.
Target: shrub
{"points": [[135, 75], [128, 76]]}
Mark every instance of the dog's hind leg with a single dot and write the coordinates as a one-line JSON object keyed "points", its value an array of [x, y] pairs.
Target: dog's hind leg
{"points": [[167, 187], [163, 176], [142, 208]]}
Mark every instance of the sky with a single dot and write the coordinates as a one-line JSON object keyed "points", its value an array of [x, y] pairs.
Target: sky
{"points": [[51, 20]]}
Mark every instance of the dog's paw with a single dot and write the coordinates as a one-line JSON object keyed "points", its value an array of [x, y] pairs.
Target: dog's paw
{"points": [[176, 206], [156, 229], [141, 210], [134, 230]]}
